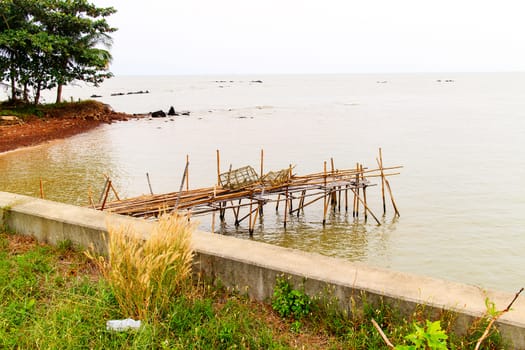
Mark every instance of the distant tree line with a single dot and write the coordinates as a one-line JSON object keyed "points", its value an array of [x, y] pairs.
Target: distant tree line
{"points": [[49, 43]]}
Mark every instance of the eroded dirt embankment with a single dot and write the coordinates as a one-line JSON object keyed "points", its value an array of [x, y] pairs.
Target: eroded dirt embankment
{"points": [[57, 123]]}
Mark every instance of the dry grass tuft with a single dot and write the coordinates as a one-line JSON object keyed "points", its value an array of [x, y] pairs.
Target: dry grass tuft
{"points": [[146, 274]]}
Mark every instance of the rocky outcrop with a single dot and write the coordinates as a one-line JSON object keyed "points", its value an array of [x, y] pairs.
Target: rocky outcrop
{"points": [[158, 114]]}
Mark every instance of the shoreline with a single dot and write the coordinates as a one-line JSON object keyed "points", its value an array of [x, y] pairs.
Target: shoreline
{"points": [[35, 131]]}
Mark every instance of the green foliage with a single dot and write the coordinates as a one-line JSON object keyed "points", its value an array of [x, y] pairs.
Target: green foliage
{"points": [[429, 337], [289, 302], [48, 43], [6, 211], [51, 300], [65, 246]]}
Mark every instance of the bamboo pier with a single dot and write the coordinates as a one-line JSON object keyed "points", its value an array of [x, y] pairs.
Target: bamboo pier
{"points": [[251, 191]]}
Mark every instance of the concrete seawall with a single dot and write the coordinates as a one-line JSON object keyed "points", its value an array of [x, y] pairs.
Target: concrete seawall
{"points": [[253, 267]]}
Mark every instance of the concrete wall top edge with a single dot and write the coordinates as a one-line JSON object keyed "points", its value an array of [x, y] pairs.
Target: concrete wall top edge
{"points": [[69, 214], [405, 286], [400, 285]]}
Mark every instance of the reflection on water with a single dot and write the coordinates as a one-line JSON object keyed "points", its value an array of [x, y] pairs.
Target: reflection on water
{"points": [[69, 169], [460, 193]]}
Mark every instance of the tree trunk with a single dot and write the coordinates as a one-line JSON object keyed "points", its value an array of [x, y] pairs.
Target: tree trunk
{"points": [[13, 86], [37, 93], [59, 93], [26, 93]]}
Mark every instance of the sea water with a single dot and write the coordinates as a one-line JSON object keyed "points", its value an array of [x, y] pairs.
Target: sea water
{"points": [[459, 138]]}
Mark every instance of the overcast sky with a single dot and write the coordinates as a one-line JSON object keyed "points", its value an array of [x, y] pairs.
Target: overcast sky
{"points": [[324, 36]]}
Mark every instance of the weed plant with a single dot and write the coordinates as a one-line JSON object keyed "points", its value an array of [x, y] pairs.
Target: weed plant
{"points": [[146, 275]]}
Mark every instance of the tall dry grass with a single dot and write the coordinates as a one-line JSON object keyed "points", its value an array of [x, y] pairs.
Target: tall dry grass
{"points": [[146, 274]]}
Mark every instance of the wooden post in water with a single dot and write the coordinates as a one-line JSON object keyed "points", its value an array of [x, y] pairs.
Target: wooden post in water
{"points": [[149, 184], [213, 213], [90, 197], [250, 221], [326, 199], [103, 190], [106, 194], [286, 196], [367, 208], [187, 173], [236, 213], [261, 210], [218, 168], [114, 191], [380, 163], [346, 199], [262, 165], [181, 185], [364, 192], [301, 203], [41, 189], [334, 193], [392, 197], [252, 225]]}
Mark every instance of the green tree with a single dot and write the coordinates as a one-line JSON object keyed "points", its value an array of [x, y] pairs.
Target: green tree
{"points": [[50, 43]]}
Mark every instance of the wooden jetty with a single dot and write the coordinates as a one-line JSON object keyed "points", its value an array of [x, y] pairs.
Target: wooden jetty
{"points": [[244, 188]]}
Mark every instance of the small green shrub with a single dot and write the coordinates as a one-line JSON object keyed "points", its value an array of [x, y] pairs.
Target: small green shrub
{"points": [[429, 337], [289, 302]]}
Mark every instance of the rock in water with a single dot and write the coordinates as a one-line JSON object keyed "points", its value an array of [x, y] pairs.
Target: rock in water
{"points": [[172, 111], [158, 114]]}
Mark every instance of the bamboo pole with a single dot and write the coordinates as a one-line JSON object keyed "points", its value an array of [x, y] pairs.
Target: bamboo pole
{"points": [[367, 208], [358, 180], [313, 200], [252, 227], [41, 189], [325, 201], [380, 163], [213, 213], [334, 194], [187, 173], [364, 195], [247, 215], [285, 206], [236, 212], [114, 191], [392, 198], [262, 164], [106, 195], [250, 221], [181, 184], [218, 168], [301, 203], [346, 199], [149, 184], [103, 190], [90, 197]]}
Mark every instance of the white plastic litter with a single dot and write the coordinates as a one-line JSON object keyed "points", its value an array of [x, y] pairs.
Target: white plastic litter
{"points": [[122, 325]]}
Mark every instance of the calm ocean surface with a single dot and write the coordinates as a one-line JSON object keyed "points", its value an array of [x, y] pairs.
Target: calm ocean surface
{"points": [[461, 192]]}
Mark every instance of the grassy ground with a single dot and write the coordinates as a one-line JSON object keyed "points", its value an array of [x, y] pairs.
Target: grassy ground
{"points": [[79, 109], [55, 298]]}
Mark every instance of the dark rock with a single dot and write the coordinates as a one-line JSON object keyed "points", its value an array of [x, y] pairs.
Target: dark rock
{"points": [[172, 111], [158, 114], [185, 113], [95, 96], [257, 81]]}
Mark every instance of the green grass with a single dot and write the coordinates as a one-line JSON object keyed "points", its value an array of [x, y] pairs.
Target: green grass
{"points": [[28, 110], [56, 298]]}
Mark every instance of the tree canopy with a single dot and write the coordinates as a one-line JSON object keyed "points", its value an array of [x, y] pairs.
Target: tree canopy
{"points": [[50, 43]]}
